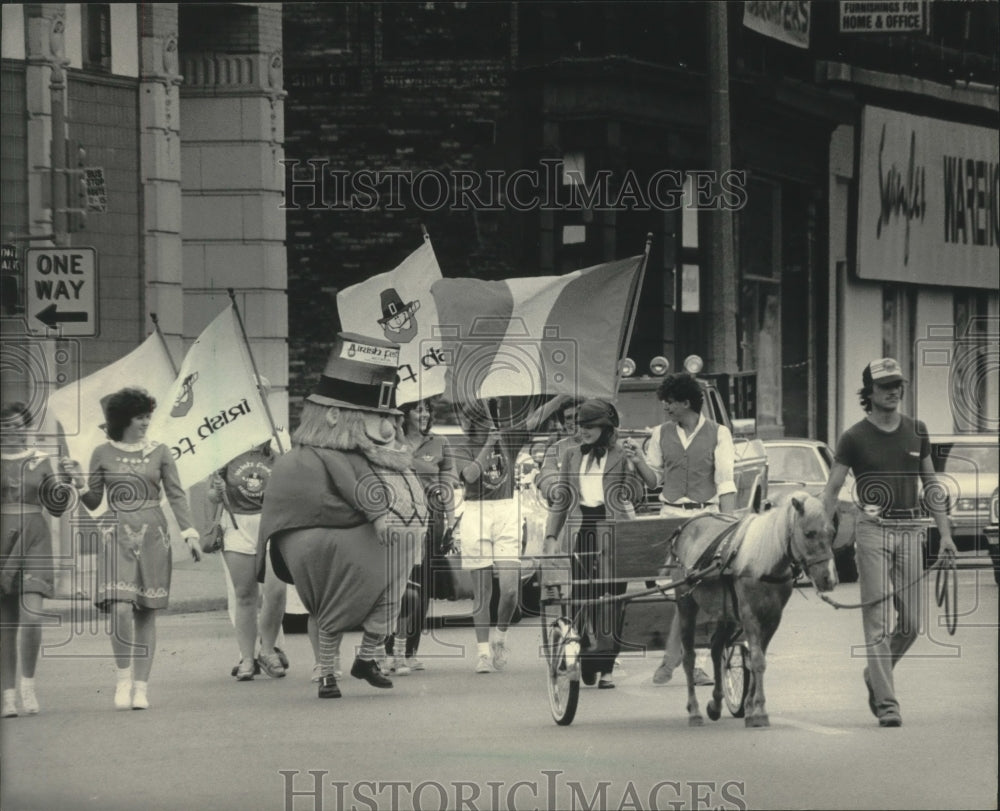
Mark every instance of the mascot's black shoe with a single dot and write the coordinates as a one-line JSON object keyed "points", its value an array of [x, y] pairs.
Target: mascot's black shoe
{"points": [[369, 670], [328, 686]]}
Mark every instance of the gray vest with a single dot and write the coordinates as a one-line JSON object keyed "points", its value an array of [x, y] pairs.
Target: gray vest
{"points": [[689, 473]]}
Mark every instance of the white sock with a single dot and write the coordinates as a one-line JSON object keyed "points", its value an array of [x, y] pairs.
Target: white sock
{"points": [[499, 636], [140, 686], [10, 696], [484, 648], [27, 684], [124, 674]]}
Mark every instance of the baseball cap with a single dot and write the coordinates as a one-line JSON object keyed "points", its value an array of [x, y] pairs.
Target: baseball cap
{"points": [[883, 370]]}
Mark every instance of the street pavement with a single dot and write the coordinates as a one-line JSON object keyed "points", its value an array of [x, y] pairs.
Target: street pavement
{"points": [[448, 738]]}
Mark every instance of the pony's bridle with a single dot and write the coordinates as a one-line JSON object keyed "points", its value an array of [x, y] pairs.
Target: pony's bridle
{"points": [[798, 564]]}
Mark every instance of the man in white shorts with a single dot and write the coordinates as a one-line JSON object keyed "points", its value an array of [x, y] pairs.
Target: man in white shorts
{"points": [[490, 529]]}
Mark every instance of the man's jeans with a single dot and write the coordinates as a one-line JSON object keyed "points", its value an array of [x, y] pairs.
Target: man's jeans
{"points": [[890, 560], [673, 653]]}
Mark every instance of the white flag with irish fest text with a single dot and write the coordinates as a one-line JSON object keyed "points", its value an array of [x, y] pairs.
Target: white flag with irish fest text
{"points": [[214, 411], [399, 307], [77, 405]]}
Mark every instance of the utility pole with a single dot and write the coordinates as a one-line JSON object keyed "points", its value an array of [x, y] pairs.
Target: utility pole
{"points": [[721, 257]]}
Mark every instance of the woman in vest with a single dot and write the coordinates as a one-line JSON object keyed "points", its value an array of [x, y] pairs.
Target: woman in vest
{"points": [[596, 478]]}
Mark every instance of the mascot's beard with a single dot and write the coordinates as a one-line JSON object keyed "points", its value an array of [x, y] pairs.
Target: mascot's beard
{"points": [[349, 434]]}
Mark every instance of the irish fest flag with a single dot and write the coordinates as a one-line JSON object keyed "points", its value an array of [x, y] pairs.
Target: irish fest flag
{"points": [[537, 335]]}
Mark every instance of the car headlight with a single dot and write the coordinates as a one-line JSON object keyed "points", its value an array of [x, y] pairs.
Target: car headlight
{"points": [[966, 504]]}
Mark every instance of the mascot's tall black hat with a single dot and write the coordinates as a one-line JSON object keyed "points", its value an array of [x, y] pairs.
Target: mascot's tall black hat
{"points": [[360, 373]]}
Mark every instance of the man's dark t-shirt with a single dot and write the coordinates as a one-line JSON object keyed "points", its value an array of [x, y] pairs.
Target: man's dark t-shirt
{"points": [[886, 464], [497, 479]]}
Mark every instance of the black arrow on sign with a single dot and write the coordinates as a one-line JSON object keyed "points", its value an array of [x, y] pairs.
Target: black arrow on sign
{"points": [[50, 316]]}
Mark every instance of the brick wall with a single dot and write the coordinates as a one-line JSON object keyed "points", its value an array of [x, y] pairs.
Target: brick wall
{"points": [[362, 106], [103, 118]]}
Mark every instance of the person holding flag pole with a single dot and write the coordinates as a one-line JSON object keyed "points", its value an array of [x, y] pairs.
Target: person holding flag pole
{"points": [[135, 564]]}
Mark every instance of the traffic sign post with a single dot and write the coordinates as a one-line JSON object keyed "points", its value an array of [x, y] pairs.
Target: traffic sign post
{"points": [[61, 291]]}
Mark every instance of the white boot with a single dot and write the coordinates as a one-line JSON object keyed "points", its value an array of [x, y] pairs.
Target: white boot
{"points": [[123, 692], [140, 700], [28, 698]]}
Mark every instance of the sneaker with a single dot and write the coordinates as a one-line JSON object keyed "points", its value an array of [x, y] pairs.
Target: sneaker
{"points": [[663, 674], [236, 667], [29, 700], [399, 667], [606, 682], [9, 704], [484, 665], [414, 663], [271, 665], [702, 679], [317, 675], [282, 657], [123, 695], [500, 653], [328, 687], [245, 670], [891, 718], [140, 701]]}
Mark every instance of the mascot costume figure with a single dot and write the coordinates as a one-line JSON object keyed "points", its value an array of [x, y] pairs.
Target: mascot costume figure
{"points": [[344, 513]]}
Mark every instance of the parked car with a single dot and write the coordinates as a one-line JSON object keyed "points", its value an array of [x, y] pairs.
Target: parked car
{"points": [[993, 534], [967, 465], [804, 464]]}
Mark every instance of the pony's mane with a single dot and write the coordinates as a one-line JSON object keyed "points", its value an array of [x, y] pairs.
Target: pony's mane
{"points": [[763, 543]]}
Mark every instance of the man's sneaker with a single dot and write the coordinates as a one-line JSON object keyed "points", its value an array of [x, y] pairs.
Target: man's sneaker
{"points": [[328, 687], [281, 657], [483, 665], [271, 665], [891, 718], [702, 679], [400, 667], [245, 670], [500, 653], [317, 675], [414, 663], [9, 704], [28, 699], [664, 673]]}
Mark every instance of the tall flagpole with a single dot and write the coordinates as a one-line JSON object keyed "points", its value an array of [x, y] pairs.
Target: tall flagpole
{"points": [[636, 290], [163, 339], [256, 374]]}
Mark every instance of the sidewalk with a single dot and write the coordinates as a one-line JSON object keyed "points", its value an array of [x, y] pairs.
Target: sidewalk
{"points": [[197, 587]]}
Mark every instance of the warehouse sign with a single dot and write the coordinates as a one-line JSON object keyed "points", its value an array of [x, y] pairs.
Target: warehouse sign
{"points": [[928, 208], [61, 291], [785, 20], [881, 16]]}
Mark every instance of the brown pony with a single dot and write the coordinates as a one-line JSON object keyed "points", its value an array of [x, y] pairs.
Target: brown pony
{"points": [[758, 573]]}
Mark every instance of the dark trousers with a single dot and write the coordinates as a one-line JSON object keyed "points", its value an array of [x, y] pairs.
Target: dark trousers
{"points": [[605, 619]]}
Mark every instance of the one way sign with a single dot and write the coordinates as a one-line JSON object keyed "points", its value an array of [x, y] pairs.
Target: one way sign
{"points": [[61, 291]]}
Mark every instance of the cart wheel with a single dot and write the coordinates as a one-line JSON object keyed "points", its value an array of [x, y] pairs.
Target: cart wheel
{"points": [[563, 665], [735, 678]]}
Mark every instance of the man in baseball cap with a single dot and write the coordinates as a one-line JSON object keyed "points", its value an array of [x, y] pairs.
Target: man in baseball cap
{"points": [[889, 454]]}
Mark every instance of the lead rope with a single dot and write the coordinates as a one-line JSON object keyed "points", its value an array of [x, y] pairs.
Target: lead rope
{"points": [[945, 592]]}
